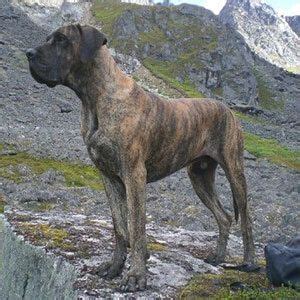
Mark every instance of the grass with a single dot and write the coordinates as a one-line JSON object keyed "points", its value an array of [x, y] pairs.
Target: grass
{"points": [[251, 119], [2, 204], [165, 71], [108, 11], [155, 36], [265, 95], [156, 247], [44, 234], [272, 151], [76, 174], [217, 286], [294, 69]]}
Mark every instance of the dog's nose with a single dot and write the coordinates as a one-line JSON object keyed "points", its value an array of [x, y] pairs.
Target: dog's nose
{"points": [[30, 53]]}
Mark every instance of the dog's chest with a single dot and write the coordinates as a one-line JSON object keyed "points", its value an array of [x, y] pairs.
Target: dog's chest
{"points": [[104, 154]]}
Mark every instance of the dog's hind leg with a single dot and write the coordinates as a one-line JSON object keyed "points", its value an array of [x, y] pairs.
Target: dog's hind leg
{"points": [[115, 191], [234, 170], [202, 175]]}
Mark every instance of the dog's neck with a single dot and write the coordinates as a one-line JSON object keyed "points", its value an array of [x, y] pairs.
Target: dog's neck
{"points": [[103, 89], [100, 80]]}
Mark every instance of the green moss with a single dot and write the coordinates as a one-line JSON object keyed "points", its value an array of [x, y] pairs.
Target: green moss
{"points": [[44, 234], [2, 204], [108, 11], [272, 150], [165, 71], [39, 206], [265, 95], [294, 69], [215, 286], [155, 36], [156, 247], [251, 119], [76, 174]]}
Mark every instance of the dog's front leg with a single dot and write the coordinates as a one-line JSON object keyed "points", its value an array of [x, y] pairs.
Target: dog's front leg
{"points": [[115, 191], [135, 183]]}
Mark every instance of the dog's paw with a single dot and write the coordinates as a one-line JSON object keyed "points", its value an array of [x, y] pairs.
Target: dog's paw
{"points": [[249, 267], [213, 260], [109, 270], [133, 282]]}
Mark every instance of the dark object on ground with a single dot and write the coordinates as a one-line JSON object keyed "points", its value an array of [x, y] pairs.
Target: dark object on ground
{"points": [[283, 263], [242, 267], [240, 286], [246, 109]]}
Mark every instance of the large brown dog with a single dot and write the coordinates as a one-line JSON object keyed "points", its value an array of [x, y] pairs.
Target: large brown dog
{"points": [[134, 137]]}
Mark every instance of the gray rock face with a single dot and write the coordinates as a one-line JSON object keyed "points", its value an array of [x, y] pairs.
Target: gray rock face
{"points": [[51, 14], [27, 272], [294, 22], [266, 32]]}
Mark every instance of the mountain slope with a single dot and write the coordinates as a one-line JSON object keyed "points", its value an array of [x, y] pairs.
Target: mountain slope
{"points": [[267, 33], [294, 22], [191, 49]]}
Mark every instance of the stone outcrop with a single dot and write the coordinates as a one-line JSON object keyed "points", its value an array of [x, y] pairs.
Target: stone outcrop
{"points": [[28, 272], [294, 22], [140, 2], [265, 31]]}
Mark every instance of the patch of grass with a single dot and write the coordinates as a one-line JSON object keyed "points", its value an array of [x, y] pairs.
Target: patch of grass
{"points": [[44, 234], [265, 95], [215, 286], [156, 246], [294, 69], [251, 119], [39, 206], [2, 204], [76, 174], [165, 71], [272, 150], [155, 36], [108, 11]]}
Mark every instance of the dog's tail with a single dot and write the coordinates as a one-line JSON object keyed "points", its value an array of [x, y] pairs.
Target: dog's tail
{"points": [[236, 157]]}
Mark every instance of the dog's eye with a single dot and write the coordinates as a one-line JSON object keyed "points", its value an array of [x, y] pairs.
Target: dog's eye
{"points": [[60, 38]]}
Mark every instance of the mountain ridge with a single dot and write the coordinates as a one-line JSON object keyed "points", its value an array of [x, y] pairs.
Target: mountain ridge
{"points": [[266, 32]]}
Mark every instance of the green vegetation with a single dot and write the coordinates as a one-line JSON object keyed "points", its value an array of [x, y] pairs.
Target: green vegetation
{"points": [[294, 69], [44, 234], [2, 204], [252, 119], [156, 246], [265, 95], [76, 174], [156, 36], [272, 150], [165, 71], [108, 11], [215, 286]]}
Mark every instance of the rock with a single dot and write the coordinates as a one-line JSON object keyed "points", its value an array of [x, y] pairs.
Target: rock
{"points": [[39, 275], [265, 31], [294, 22]]}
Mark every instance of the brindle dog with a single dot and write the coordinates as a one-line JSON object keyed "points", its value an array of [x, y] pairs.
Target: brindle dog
{"points": [[134, 137]]}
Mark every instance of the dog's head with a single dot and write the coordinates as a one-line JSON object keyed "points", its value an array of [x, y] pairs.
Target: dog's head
{"points": [[65, 49]]}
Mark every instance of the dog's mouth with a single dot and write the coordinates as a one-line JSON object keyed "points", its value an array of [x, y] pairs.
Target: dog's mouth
{"points": [[40, 79]]}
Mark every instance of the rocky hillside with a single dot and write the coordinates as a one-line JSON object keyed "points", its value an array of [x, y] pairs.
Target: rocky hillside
{"points": [[294, 22], [56, 224], [191, 49], [266, 32]]}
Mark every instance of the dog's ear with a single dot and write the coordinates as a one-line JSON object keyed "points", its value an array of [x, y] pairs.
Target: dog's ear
{"points": [[91, 41]]}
